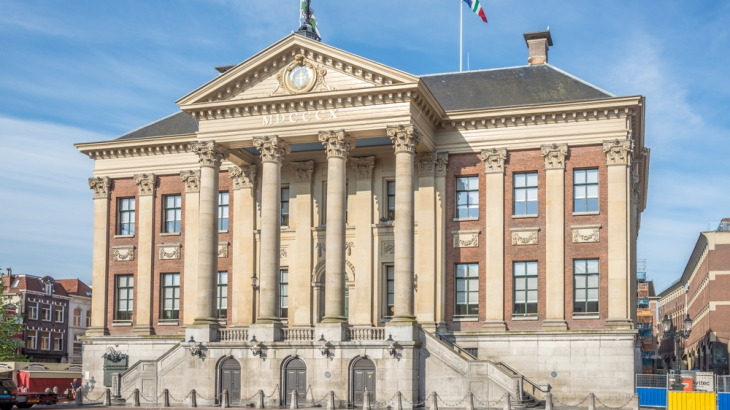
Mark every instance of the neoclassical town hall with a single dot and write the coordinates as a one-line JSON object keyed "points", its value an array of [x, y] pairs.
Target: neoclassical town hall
{"points": [[318, 221]]}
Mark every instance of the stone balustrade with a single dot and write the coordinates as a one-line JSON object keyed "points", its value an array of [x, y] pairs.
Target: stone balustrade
{"points": [[232, 335], [297, 334], [365, 333]]}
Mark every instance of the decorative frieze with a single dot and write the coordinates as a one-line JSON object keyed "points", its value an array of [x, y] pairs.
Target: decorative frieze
{"points": [[169, 250], [525, 236], [554, 155], [466, 239], [272, 148], [146, 183], [405, 138], [586, 233], [494, 159], [618, 152], [100, 186], [363, 167], [243, 177], [209, 153], [123, 253], [223, 249], [426, 164], [442, 162], [191, 179], [337, 143], [302, 171], [388, 247]]}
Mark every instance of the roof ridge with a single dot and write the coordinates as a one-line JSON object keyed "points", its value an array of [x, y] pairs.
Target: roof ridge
{"points": [[147, 125], [473, 71], [581, 80]]}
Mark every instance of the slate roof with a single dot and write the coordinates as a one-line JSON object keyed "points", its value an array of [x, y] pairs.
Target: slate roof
{"points": [[175, 124], [507, 87], [32, 283]]}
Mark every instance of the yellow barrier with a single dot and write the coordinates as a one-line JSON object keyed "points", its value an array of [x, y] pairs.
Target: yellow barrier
{"points": [[691, 400]]}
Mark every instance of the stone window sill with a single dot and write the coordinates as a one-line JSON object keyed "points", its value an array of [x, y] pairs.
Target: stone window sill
{"points": [[168, 323], [586, 213], [586, 317], [170, 234], [123, 236], [520, 317], [523, 216], [466, 219], [121, 323], [466, 319], [385, 320], [224, 231]]}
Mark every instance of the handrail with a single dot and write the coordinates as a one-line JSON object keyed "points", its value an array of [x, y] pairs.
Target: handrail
{"points": [[535, 386], [454, 346]]}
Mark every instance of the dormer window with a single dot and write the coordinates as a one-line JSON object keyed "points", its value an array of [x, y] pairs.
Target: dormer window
{"points": [[49, 289], [16, 283]]}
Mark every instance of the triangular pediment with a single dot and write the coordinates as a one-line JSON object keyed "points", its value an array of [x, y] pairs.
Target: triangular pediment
{"points": [[270, 73]]}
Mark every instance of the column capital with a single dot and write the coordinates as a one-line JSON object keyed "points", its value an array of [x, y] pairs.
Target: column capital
{"points": [[302, 171], [554, 155], [191, 178], [363, 167], [442, 160], [210, 154], [146, 183], [426, 164], [618, 152], [243, 176], [494, 159], [101, 186], [405, 138], [272, 148], [337, 143]]}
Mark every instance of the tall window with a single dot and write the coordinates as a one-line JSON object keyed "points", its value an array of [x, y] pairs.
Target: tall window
{"points": [[58, 342], [284, 293], [391, 200], [45, 341], [585, 190], [585, 272], [33, 311], [223, 211], [77, 317], [31, 339], [125, 298], [390, 291], [525, 194], [170, 296], [125, 226], [173, 213], [467, 197], [284, 206], [525, 288], [59, 315], [46, 313], [88, 317], [222, 302], [77, 347], [467, 289]]}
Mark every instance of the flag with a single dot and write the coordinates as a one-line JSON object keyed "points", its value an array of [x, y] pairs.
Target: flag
{"points": [[312, 21], [476, 7]]}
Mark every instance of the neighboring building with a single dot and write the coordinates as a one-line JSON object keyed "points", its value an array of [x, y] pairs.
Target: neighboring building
{"points": [[505, 221], [703, 292], [44, 304], [645, 318], [80, 319]]}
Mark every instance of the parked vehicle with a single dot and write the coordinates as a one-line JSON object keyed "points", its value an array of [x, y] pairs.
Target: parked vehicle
{"points": [[8, 391]]}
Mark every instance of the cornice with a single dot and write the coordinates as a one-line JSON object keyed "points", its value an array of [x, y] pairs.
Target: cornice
{"points": [[143, 147]]}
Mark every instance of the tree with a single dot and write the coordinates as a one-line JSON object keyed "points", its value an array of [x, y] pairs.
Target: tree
{"points": [[11, 325]]}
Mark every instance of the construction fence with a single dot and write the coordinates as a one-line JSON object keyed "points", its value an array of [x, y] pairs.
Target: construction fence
{"points": [[692, 391]]}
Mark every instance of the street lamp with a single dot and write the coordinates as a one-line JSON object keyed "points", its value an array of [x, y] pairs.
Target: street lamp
{"points": [[390, 345], [323, 346], [677, 335], [256, 347]]}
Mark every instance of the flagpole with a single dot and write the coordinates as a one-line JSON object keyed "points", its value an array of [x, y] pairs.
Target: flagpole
{"points": [[461, 36]]}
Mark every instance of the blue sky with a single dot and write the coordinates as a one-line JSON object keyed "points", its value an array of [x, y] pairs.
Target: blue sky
{"points": [[78, 71]]}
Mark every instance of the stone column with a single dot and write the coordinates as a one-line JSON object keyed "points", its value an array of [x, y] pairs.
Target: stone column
{"points": [[361, 300], [405, 139], [554, 155], [494, 159], [144, 282], [337, 144], [273, 149], [191, 178], [300, 271], [619, 154], [100, 259], [425, 255], [244, 244], [205, 324], [442, 160]]}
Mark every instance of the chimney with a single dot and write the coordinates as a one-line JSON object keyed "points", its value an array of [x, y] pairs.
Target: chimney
{"points": [[538, 44]]}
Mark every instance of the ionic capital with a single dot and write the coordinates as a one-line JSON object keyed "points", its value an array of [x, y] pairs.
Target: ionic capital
{"points": [[494, 159], [243, 177], [554, 155], [210, 154], [405, 138], [426, 164], [363, 167], [191, 179], [272, 148], [618, 152], [442, 161], [146, 183], [302, 171], [337, 143], [100, 185]]}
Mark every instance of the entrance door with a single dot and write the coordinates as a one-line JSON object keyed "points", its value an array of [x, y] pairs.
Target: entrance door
{"points": [[231, 379], [295, 378], [363, 375]]}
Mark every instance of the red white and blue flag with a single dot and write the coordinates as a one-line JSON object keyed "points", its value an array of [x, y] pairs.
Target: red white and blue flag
{"points": [[476, 7]]}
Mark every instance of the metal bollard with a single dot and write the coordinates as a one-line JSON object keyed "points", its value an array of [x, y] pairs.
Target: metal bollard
{"points": [[635, 402], [434, 401], [507, 402], [79, 397], [398, 401], [331, 400], [366, 400], [470, 401], [224, 400], [294, 398], [193, 398], [548, 401], [165, 398], [260, 399], [591, 401], [108, 397], [135, 396]]}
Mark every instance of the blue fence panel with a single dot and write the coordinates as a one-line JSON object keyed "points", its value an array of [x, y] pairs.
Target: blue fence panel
{"points": [[723, 401], [653, 397]]}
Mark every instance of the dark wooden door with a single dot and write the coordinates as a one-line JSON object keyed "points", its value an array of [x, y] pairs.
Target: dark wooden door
{"points": [[363, 375], [295, 379], [231, 379]]}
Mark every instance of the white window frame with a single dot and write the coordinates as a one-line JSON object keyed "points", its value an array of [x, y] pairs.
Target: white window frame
{"points": [[43, 314], [34, 338], [63, 315], [48, 339], [33, 311]]}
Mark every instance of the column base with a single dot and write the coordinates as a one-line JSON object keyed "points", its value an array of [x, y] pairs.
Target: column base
{"points": [[146, 330], [334, 319], [97, 331], [266, 332], [554, 325], [403, 319], [619, 324], [201, 333], [332, 332], [402, 331], [494, 326]]}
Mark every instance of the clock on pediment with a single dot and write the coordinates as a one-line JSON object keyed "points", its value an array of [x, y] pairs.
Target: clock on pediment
{"points": [[301, 76]]}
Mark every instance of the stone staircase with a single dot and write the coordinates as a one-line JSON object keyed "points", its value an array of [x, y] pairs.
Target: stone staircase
{"points": [[144, 374]]}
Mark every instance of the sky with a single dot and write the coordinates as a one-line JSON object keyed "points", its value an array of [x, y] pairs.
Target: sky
{"points": [[80, 71]]}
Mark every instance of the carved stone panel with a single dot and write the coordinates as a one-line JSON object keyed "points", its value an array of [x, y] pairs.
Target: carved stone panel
{"points": [[169, 250], [123, 253], [223, 249], [525, 236], [388, 248], [466, 239], [284, 252], [586, 233]]}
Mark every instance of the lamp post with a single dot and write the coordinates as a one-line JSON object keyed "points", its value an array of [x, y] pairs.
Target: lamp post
{"points": [[677, 335]]}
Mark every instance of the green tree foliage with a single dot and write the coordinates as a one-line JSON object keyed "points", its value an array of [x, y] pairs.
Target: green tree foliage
{"points": [[11, 324]]}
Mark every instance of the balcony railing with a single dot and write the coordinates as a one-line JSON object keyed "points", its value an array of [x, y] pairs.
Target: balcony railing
{"points": [[297, 334], [722, 226]]}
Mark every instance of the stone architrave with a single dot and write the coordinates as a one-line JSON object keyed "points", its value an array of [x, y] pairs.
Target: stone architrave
{"points": [[144, 280], [494, 162]]}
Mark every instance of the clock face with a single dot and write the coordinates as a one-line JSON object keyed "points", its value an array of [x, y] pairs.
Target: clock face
{"points": [[300, 75]]}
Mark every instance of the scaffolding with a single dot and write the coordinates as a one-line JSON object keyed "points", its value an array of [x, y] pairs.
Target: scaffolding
{"points": [[644, 319]]}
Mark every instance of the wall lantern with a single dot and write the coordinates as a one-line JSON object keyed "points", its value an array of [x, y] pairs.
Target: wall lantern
{"points": [[390, 345], [256, 348], [195, 350], [323, 346], [254, 282]]}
